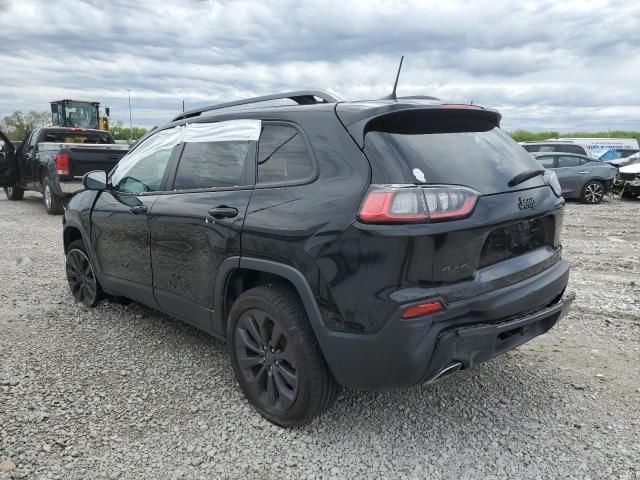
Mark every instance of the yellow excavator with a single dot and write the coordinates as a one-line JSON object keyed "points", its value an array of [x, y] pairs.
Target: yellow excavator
{"points": [[79, 114]]}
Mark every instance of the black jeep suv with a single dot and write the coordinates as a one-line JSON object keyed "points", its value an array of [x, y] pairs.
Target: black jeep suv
{"points": [[373, 245]]}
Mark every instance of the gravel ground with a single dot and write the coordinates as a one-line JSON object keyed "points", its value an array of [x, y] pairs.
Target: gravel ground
{"points": [[125, 392]]}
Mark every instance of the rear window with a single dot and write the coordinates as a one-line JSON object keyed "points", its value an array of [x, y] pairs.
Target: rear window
{"points": [[481, 156], [78, 137]]}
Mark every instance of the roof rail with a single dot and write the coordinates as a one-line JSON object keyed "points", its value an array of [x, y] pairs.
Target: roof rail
{"points": [[418, 97], [302, 97]]}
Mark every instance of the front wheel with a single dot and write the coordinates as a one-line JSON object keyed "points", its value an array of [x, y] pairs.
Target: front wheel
{"points": [[14, 193], [275, 357], [593, 192], [81, 275], [52, 202]]}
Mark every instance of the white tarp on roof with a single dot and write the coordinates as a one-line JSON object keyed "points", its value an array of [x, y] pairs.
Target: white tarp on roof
{"points": [[232, 130]]}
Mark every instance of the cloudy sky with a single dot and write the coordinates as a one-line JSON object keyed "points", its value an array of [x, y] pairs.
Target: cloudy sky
{"points": [[561, 65]]}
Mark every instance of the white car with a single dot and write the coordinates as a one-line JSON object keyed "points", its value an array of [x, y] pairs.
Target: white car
{"points": [[628, 181]]}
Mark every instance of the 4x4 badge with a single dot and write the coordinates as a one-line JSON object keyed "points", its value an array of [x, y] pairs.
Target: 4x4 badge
{"points": [[525, 203]]}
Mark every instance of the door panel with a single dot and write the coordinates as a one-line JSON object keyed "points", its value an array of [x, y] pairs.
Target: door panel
{"points": [[188, 246], [120, 238], [569, 175], [8, 164]]}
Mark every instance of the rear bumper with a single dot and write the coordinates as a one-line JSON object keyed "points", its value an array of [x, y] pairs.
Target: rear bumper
{"points": [[471, 330], [70, 187], [465, 347]]}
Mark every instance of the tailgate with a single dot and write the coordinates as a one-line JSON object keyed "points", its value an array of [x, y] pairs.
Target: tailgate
{"points": [[86, 158]]}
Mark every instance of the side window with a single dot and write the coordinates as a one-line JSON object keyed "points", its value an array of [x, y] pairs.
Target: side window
{"points": [[147, 174], [546, 161], [573, 149], [33, 139], [282, 155], [212, 164], [143, 169], [568, 161]]}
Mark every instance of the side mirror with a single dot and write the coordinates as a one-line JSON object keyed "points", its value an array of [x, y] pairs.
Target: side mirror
{"points": [[96, 180]]}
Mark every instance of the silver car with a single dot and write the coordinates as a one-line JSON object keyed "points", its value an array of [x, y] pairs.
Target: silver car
{"points": [[581, 177]]}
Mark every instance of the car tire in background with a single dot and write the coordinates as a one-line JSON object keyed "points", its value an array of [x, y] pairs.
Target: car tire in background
{"points": [[14, 193], [52, 203], [276, 358], [592, 192], [81, 276]]}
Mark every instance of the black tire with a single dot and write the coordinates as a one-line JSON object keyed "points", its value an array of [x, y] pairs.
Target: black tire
{"points": [[52, 203], [276, 358], [81, 276], [14, 193], [592, 192]]}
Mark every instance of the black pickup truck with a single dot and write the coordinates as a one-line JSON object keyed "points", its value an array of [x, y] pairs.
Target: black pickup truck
{"points": [[52, 160]]}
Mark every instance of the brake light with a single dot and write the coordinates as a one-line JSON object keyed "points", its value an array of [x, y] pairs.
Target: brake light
{"points": [[423, 309], [412, 204], [63, 164]]}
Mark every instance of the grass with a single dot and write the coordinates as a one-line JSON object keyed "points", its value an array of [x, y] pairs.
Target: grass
{"points": [[524, 135]]}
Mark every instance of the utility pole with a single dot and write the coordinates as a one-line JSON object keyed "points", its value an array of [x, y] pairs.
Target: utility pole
{"points": [[130, 123], [182, 106]]}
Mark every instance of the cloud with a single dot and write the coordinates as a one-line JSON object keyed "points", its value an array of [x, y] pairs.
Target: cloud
{"points": [[570, 65]]}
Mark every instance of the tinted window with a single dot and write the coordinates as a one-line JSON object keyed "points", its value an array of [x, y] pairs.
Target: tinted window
{"points": [[212, 164], [147, 174], [546, 148], [546, 161], [531, 148], [566, 161], [570, 149], [484, 160], [282, 155]]}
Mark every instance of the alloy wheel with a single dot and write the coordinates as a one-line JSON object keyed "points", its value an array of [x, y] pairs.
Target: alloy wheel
{"points": [[47, 196], [81, 277], [266, 360], [593, 193]]}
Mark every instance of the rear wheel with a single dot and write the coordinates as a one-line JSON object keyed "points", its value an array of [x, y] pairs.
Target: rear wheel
{"points": [[276, 358], [592, 192], [52, 203], [81, 275], [14, 193]]}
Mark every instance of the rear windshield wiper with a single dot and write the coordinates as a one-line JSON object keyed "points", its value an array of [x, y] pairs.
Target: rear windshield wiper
{"points": [[524, 176]]}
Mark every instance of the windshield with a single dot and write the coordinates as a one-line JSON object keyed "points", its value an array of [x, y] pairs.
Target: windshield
{"points": [[78, 137], [483, 160], [81, 115]]}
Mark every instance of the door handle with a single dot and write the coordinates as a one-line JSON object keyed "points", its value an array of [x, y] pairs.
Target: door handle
{"points": [[223, 212], [138, 209], [584, 173]]}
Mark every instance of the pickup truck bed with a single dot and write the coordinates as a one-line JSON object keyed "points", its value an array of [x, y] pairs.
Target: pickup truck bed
{"points": [[52, 160], [84, 158]]}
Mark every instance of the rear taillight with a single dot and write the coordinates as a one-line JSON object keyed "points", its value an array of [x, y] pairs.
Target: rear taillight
{"points": [[422, 310], [63, 164], [411, 204]]}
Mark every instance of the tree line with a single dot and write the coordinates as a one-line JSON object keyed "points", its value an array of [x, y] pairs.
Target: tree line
{"points": [[18, 125]]}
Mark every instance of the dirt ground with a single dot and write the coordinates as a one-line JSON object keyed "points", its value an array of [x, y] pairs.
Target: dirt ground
{"points": [[123, 392]]}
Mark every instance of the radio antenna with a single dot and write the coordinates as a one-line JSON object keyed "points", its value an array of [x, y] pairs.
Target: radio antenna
{"points": [[392, 95]]}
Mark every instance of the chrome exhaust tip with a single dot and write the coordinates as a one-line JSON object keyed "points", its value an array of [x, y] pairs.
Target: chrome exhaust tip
{"points": [[446, 371]]}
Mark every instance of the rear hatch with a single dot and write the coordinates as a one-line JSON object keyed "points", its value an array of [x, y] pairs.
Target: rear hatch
{"points": [[459, 157]]}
